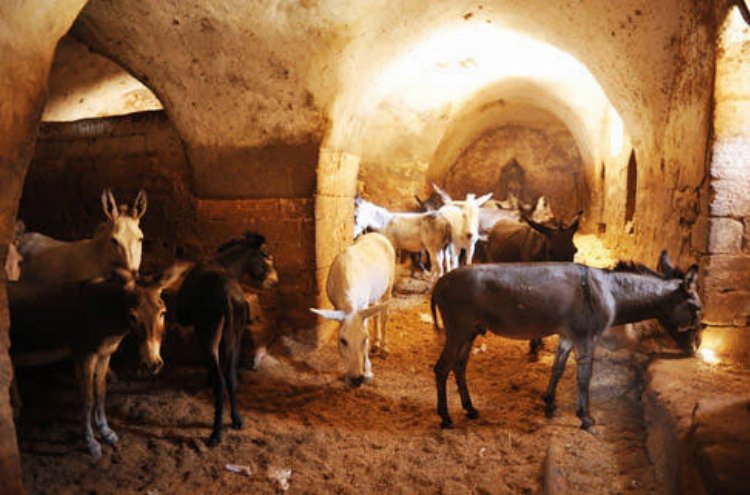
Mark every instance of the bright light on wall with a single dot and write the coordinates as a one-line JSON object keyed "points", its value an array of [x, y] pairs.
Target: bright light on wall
{"points": [[708, 355], [460, 60], [616, 132]]}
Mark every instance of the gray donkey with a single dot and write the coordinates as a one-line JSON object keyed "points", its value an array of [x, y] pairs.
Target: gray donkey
{"points": [[578, 303]]}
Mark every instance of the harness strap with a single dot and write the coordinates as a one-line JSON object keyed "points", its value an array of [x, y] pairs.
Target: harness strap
{"points": [[585, 286]]}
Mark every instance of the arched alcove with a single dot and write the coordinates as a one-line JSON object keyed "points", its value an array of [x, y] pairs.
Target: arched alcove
{"points": [[102, 128]]}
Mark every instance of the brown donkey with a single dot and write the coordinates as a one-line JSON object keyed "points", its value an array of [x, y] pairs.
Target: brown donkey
{"points": [[87, 321], [534, 300]]}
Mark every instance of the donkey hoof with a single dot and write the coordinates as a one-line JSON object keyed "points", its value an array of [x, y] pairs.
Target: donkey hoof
{"points": [[587, 424], [237, 423], [549, 411], [446, 424], [214, 440], [110, 437], [94, 448], [472, 413], [383, 353], [533, 357]]}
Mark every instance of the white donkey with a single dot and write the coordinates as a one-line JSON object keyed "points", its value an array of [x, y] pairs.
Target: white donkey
{"points": [[411, 232], [116, 244], [464, 221], [359, 286]]}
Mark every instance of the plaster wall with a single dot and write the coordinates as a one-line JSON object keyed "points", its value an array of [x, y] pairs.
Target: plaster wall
{"points": [[83, 85], [28, 35], [549, 157]]}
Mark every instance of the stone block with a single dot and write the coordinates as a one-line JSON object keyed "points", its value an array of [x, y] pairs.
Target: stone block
{"points": [[725, 235], [726, 308], [726, 273]]}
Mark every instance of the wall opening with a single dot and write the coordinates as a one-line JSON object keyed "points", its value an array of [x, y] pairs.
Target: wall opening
{"points": [[632, 188]]}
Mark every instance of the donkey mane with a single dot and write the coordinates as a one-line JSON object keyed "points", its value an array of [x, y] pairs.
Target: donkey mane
{"points": [[635, 267], [250, 238]]}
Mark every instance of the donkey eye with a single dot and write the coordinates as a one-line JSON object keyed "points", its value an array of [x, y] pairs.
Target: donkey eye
{"points": [[343, 342]]}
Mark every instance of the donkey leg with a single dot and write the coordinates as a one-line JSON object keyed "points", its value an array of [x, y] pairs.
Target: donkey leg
{"points": [[584, 359], [534, 346], [234, 358], [100, 415], [443, 367], [558, 367], [384, 339], [212, 333], [85, 375], [459, 372]]}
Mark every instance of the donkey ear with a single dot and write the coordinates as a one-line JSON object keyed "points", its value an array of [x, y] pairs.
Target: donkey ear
{"points": [[545, 231], [330, 314], [140, 204], [254, 240], [173, 274], [375, 308], [576, 222], [443, 195], [483, 199], [109, 205], [665, 266], [690, 283]]}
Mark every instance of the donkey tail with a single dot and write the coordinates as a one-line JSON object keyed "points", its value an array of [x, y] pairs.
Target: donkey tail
{"points": [[435, 323]]}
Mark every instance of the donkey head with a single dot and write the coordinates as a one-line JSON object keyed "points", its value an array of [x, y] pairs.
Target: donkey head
{"points": [[560, 246], [126, 237], [353, 340], [542, 213], [682, 318], [470, 214], [248, 259], [147, 312]]}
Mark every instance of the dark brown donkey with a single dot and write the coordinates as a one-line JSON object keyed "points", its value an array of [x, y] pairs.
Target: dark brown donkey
{"points": [[533, 300], [528, 240], [87, 321], [211, 300]]}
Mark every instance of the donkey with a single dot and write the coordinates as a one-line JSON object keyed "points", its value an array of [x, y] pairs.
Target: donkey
{"points": [[359, 286], [464, 221], [533, 300], [211, 300], [411, 232], [87, 321], [511, 241], [116, 244]]}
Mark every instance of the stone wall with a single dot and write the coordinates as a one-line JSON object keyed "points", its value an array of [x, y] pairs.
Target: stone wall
{"points": [[549, 157], [725, 253], [74, 161]]}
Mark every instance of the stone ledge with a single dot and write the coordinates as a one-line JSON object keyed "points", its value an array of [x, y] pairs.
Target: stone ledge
{"points": [[698, 419]]}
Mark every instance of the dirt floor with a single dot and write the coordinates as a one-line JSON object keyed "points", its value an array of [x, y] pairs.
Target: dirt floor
{"points": [[381, 438]]}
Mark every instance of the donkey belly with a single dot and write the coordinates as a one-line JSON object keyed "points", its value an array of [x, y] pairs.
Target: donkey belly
{"points": [[522, 328]]}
